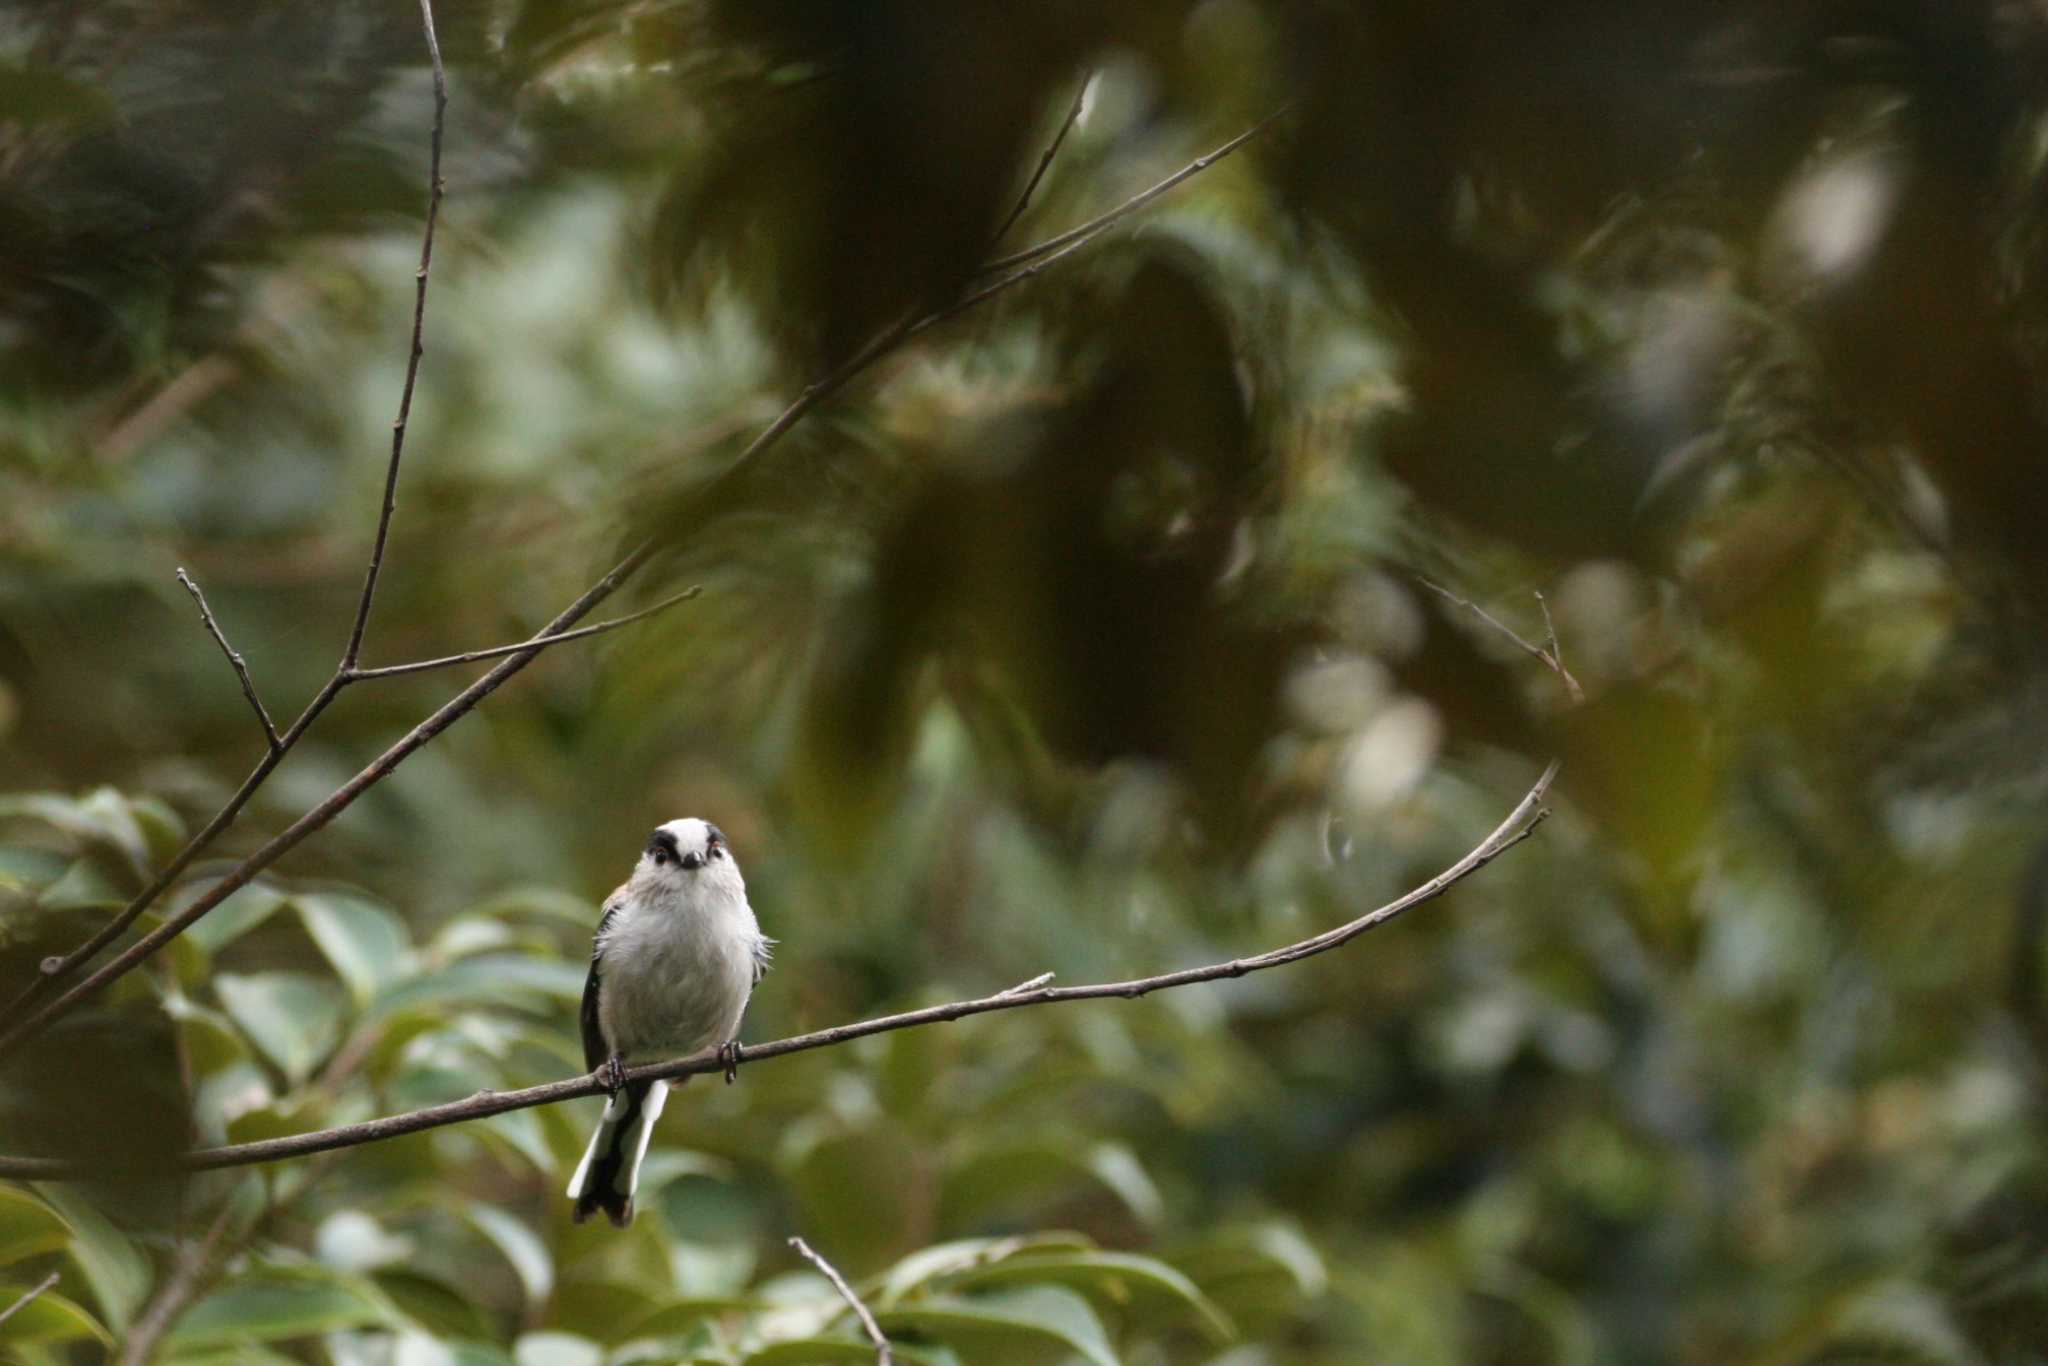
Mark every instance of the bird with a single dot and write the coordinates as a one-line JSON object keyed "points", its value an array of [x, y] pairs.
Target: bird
{"points": [[676, 955]]}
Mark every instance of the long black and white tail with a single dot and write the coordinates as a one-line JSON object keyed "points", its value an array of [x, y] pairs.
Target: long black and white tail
{"points": [[610, 1168]]}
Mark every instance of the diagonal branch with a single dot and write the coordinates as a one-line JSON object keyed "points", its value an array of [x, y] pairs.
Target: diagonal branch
{"points": [[1134, 203], [11, 1310], [194, 1267], [338, 801], [55, 968], [1045, 162], [884, 1356], [471, 656], [435, 189], [235, 661], [1522, 822], [1043, 255]]}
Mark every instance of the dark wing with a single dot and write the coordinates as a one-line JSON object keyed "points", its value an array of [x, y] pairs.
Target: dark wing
{"points": [[595, 1049]]}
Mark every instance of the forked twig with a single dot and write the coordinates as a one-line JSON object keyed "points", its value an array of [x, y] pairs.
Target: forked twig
{"points": [[884, 1356], [235, 661]]}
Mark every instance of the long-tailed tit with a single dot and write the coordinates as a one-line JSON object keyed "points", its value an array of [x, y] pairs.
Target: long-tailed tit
{"points": [[676, 956]]}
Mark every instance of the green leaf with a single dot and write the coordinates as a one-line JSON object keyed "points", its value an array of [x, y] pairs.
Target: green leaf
{"points": [[28, 1227], [679, 1316], [102, 816], [1084, 1270], [502, 980], [521, 1246], [829, 1351], [366, 943], [293, 1018], [541, 903], [806, 1351], [1017, 1178], [113, 1266], [50, 1317], [275, 1304], [233, 918], [556, 1349], [1260, 1251], [210, 1040], [441, 1308], [1008, 1321], [85, 885], [944, 1259]]}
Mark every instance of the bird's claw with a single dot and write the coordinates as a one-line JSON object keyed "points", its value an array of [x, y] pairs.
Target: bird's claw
{"points": [[729, 1054], [612, 1072]]}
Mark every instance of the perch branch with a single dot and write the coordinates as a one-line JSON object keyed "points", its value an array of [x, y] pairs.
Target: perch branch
{"points": [[1522, 822], [883, 1355], [235, 661]]}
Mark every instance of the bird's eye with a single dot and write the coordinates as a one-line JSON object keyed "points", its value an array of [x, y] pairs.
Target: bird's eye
{"points": [[660, 856]]}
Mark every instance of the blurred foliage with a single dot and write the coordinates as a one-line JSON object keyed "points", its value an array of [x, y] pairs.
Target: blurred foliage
{"points": [[1082, 633]]}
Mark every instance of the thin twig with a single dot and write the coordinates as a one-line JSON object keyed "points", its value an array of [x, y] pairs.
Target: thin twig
{"points": [[59, 966], [911, 324], [883, 1355], [235, 661], [1522, 822], [54, 968], [1550, 658], [1134, 203], [195, 1264], [11, 1310], [336, 802], [1045, 162], [435, 189], [1040, 980], [471, 656]]}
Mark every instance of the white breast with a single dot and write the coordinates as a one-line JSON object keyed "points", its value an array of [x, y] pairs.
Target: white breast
{"points": [[675, 971]]}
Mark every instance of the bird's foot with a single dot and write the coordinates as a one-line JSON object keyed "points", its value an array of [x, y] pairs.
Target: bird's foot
{"points": [[612, 1072], [729, 1054]]}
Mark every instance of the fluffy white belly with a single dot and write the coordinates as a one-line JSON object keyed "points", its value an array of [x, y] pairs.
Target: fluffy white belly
{"points": [[671, 984]]}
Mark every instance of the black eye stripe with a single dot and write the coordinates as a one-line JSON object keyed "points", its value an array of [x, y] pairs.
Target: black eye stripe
{"points": [[664, 841]]}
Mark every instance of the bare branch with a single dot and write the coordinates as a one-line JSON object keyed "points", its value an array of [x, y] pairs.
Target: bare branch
{"points": [[1134, 203], [910, 324], [338, 801], [883, 1355], [435, 189], [1550, 658], [470, 657], [1522, 822], [55, 968], [11, 1310], [235, 661], [1045, 162]]}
